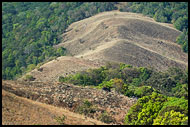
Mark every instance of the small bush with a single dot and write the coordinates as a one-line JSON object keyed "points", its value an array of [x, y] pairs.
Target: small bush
{"points": [[104, 117], [29, 78], [143, 91], [61, 120], [86, 108]]}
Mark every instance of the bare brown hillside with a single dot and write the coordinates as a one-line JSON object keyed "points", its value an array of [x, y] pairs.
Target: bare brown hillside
{"points": [[65, 96], [61, 66], [115, 37], [125, 37], [21, 111]]}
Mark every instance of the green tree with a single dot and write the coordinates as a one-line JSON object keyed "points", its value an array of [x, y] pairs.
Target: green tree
{"points": [[171, 118]]}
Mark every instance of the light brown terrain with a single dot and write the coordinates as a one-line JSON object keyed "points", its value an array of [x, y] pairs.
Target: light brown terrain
{"points": [[115, 37], [61, 66], [21, 111]]}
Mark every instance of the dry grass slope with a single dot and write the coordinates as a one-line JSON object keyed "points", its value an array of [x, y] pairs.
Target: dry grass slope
{"points": [[21, 111], [119, 37], [67, 96]]}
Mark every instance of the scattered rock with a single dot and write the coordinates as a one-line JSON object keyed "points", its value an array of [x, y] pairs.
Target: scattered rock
{"points": [[69, 96]]}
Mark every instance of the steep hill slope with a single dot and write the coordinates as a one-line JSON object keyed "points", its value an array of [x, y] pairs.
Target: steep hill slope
{"points": [[21, 111], [62, 66], [72, 97], [116, 37], [125, 37]]}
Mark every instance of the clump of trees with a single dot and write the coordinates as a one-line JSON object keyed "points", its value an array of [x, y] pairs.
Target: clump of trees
{"points": [[157, 109], [160, 94], [133, 81]]}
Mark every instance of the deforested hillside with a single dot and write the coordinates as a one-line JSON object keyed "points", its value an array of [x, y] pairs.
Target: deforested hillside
{"points": [[61, 66], [115, 36], [125, 37]]}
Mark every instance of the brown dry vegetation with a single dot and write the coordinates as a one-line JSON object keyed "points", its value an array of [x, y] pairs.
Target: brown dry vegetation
{"points": [[21, 111], [61, 66], [65, 96], [118, 37]]}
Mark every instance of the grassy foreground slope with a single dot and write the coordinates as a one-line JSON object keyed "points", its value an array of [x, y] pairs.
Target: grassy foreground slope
{"points": [[21, 111]]}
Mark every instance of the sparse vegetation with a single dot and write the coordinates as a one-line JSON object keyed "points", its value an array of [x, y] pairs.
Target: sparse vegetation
{"points": [[86, 108], [104, 117], [61, 120], [29, 78]]}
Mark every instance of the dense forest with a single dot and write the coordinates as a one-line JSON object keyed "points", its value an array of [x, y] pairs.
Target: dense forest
{"points": [[162, 96], [30, 29]]}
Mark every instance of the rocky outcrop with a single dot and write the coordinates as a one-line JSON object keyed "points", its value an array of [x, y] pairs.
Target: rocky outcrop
{"points": [[71, 97]]}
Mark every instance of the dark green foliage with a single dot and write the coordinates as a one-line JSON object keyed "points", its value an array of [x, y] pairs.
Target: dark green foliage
{"points": [[132, 81], [30, 29], [143, 91], [181, 23], [183, 40], [177, 104], [166, 82], [154, 109], [181, 90]]}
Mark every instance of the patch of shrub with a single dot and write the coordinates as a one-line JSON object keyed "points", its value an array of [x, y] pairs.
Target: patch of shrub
{"points": [[145, 110], [86, 108], [156, 109], [176, 104], [104, 117], [143, 91], [61, 120], [133, 81], [29, 78]]}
